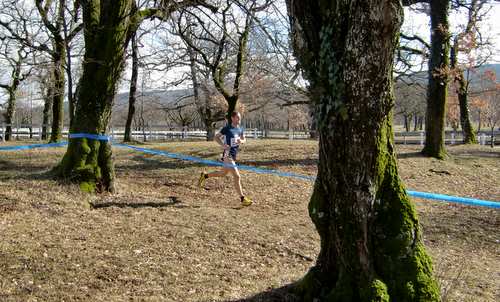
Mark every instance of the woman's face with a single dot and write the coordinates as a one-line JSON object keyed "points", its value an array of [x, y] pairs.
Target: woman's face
{"points": [[235, 119]]}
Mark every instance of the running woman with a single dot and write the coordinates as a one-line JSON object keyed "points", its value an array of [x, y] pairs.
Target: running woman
{"points": [[230, 137]]}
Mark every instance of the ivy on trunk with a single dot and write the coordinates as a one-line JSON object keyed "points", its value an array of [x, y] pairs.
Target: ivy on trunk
{"points": [[371, 245]]}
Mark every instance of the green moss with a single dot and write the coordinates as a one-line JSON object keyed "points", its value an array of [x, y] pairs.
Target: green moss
{"points": [[88, 186], [435, 152], [376, 291]]}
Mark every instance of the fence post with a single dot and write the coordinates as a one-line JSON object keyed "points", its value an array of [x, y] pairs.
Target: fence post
{"points": [[404, 139], [290, 134], [40, 132], [483, 139], [421, 138], [3, 132], [112, 133], [453, 138], [255, 133]]}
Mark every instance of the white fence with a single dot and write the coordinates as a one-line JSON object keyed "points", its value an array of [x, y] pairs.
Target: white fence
{"points": [[163, 133]]}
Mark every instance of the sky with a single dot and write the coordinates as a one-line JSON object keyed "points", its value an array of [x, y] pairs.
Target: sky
{"points": [[414, 23]]}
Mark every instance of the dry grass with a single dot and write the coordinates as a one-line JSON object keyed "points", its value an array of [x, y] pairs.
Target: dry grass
{"points": [[160, 238]]}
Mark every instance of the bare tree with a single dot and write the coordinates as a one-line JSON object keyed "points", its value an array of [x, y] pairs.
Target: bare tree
{"points": [[54, 17], [19, 73], [466, 42], [224, 49]]}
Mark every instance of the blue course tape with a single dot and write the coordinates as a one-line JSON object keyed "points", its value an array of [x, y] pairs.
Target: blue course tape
{"points": [[27, 147], [448, 198], [469, 201], [91, 136], [216, 163]]}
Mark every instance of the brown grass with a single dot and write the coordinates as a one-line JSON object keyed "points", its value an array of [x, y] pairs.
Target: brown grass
{"points": [[160, 238]]}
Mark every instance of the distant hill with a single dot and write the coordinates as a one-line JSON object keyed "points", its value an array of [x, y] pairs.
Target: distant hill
{"points": [[495, 67], [163, 97], [421, 77]]}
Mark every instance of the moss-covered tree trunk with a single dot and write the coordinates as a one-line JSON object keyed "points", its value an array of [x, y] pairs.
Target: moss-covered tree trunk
{"points": [[439, 66], [9, 115], [133, 88], [58, 91], [108, 28], [107, 32], [371, 245], [469, 137]]}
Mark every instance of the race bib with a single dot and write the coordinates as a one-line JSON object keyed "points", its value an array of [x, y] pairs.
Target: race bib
{"points": [[234, 141]]}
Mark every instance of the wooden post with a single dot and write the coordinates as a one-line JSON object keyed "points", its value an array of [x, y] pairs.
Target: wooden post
{"points": [[255, 133], [421, 138]]}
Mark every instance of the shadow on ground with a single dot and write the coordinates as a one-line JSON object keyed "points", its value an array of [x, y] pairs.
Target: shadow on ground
{"points": [[281, 294], [280, 162], [172, 201]]}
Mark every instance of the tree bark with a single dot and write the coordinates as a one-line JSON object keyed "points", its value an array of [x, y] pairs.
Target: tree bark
{"points": [[71, 96], [11, 101], [108, 28], [204, 110], [58, 91], [469, 137], [47, 107], [438, 80], [9, 115], [132, 91], [313, 129], [371, 246]]}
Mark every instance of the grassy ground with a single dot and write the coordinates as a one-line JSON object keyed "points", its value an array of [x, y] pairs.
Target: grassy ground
{"points": [[160, 238]]}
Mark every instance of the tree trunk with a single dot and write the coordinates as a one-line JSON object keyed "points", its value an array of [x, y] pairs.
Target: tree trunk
{"points": [[132, 91], [438, 80], [71, 96], [371, 246], [462, 88], [407, 120], [313, 130], [232, 101], [204, 109], [9, 115], [210, 131], [492, 137], [58, 92], [107, 32], [11, 102], [47, 107]]}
